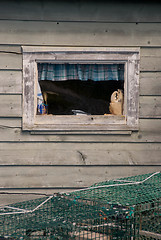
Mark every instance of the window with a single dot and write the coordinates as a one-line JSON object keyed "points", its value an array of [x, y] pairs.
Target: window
{"points": [[80, 88]]}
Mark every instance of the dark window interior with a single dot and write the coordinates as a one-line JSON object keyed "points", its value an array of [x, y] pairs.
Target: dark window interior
{"points": [[70, 97]]}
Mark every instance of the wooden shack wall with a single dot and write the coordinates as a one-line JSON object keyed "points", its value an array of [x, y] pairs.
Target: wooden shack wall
{"points": [[59, 162]]}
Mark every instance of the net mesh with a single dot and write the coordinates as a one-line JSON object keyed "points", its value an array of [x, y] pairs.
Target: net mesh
{"points": [[126, 208]]}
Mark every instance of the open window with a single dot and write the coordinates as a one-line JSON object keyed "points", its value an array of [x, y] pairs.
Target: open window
{"points": [[80, 88]]}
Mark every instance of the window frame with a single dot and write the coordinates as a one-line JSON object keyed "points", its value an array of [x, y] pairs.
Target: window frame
{"points": [[128, 56]]}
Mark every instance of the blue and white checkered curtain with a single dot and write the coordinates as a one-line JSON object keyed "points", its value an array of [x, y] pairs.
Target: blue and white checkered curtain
{"points": [[95, 72]]}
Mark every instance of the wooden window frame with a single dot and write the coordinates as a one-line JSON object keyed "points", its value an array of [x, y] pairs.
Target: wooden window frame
{"points": [[128, 56]]}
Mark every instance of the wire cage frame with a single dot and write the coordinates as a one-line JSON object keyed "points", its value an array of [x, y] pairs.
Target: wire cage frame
{"points": [[126, 208]]}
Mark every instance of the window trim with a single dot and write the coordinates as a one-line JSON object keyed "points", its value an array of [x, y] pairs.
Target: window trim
{"points": [[33, 55]]}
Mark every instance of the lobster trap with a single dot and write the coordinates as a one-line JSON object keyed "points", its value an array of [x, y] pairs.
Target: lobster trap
{"points": [[126, 208]]}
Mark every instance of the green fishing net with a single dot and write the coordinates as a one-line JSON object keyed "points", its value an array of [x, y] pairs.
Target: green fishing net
{"points": [[126, 208]]}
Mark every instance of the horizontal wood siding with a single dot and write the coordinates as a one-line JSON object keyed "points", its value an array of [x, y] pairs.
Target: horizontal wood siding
{"points": [[96, 11], [11, 82], [149, 132], [150, 83], [66, 177], [150, 107], [46, 162], [10, 61], [80, 34], [150, 63], [10, 105], [83, 154]]}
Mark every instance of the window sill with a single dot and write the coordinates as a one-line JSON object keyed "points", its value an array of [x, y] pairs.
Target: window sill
{"points": [[85, 120], [80, 124], [82, 132]]}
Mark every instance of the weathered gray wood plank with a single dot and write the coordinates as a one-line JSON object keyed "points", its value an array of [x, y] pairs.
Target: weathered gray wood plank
{"points": [[150, 125], [150, 106], [151, 51], [11, 134], [80, 154], [51, 177], [10, 105], [150, 59], [149, 131], [150, 63], [10, 122], [81, 11], [11, 82], [6, 199], [80, 34], [10, 60], [10, 49], [150, 83]]}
